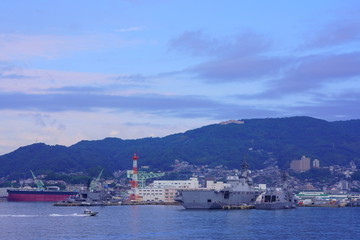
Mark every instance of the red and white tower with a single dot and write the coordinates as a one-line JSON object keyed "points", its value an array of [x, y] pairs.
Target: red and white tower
{"points": [[134, 182]]}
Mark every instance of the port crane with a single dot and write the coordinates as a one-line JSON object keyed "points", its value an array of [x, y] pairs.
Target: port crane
{"points": [[143, 176], [138, 179], [40, 185], [94, 183]]}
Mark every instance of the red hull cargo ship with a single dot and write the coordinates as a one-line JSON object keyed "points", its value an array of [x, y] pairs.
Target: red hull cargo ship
{"points": [[38, 195]]}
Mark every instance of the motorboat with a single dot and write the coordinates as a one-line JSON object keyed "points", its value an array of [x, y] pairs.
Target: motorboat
{"points": [[90, 213]]}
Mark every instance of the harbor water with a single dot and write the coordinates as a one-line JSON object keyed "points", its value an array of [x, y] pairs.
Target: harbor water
{"points": [[45, 221]]}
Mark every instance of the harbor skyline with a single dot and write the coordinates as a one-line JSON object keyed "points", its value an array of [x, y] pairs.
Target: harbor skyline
{"points": [[72, 71]]}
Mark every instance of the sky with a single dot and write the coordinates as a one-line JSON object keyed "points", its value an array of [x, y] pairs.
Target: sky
{"points": [[90, 69]]}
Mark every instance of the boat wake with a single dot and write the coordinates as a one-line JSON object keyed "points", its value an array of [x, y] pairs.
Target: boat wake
{"points": [[68, 215], [18, 215], [50, 215]]}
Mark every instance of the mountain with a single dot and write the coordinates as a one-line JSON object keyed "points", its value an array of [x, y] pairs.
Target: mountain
{"points": [[261, 142]]}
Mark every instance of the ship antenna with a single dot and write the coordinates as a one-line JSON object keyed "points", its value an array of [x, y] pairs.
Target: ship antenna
{"points": [[244, 165], [284, 178]]}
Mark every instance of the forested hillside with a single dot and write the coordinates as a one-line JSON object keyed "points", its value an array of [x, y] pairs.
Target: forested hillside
{"points": [[261, 142]]}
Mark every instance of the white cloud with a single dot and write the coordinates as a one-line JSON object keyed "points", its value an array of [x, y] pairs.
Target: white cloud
{"points": [[22, 127], [130, 29]]}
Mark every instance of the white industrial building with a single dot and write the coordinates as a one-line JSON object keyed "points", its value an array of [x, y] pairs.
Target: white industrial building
{"points": [[165, 190], [192, 183]]}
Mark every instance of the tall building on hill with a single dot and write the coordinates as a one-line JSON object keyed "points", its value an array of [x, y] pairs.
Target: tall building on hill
{"points": [[352, 165], [316, 163], [301, 165]]}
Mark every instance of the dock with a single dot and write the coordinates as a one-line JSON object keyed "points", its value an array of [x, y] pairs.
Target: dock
{"points": [[322, 205], [240, 207], [151, 203], [87, 204]]}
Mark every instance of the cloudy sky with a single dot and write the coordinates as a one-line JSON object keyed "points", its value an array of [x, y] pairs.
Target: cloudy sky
{"points": [[86, 70]]}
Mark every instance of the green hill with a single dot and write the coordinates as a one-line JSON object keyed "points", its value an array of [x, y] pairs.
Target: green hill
{"points": [[260, 141]]}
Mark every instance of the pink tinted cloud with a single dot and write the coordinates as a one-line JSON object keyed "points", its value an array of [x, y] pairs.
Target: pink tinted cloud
{"points": [[20, 47], [239, 69], [197, 43], [310, 74], [234, 58], [328, 67], [314, 72], [14, 46], [336, 34], [130, 29]]}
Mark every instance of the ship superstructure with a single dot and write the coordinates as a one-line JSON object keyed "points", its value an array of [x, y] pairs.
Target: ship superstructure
{"points": [[277, 198]]}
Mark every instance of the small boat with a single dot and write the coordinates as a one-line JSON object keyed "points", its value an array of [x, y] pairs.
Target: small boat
{"points": [[90, 213]]}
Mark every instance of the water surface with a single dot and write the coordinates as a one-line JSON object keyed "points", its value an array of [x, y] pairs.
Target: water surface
{"points": [[44, 221]]}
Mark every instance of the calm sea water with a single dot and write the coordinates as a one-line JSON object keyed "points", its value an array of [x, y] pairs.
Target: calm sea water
{"points": [[44, 221]]}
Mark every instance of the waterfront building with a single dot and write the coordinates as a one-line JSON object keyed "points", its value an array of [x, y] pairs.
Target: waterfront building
{"points": [[178, 184], [165, 190], [157, 194], [301, 165], [151, 194]]}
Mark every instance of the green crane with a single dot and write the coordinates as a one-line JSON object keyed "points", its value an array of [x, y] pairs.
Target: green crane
{"points": [[143, 176], [94, 183], [40, 185]]}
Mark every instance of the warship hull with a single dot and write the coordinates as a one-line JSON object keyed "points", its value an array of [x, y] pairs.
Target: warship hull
{"points": [[211, 199], [275, 205], [37, 196]]}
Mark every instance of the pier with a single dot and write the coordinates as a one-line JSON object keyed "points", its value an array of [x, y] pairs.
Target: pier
{"points": [[86, 204], [322, 205], [67, 204], [240, 207]]}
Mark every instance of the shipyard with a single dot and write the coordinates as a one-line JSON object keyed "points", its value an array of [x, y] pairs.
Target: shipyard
{"points": [[237, 191]]}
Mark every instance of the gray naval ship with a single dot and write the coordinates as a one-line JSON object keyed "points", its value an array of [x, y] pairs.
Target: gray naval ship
{"points": [[277, 198], [240, 191]]}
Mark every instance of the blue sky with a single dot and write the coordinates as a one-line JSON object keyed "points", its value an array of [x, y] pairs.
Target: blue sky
{"points": [[86, 70]]}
